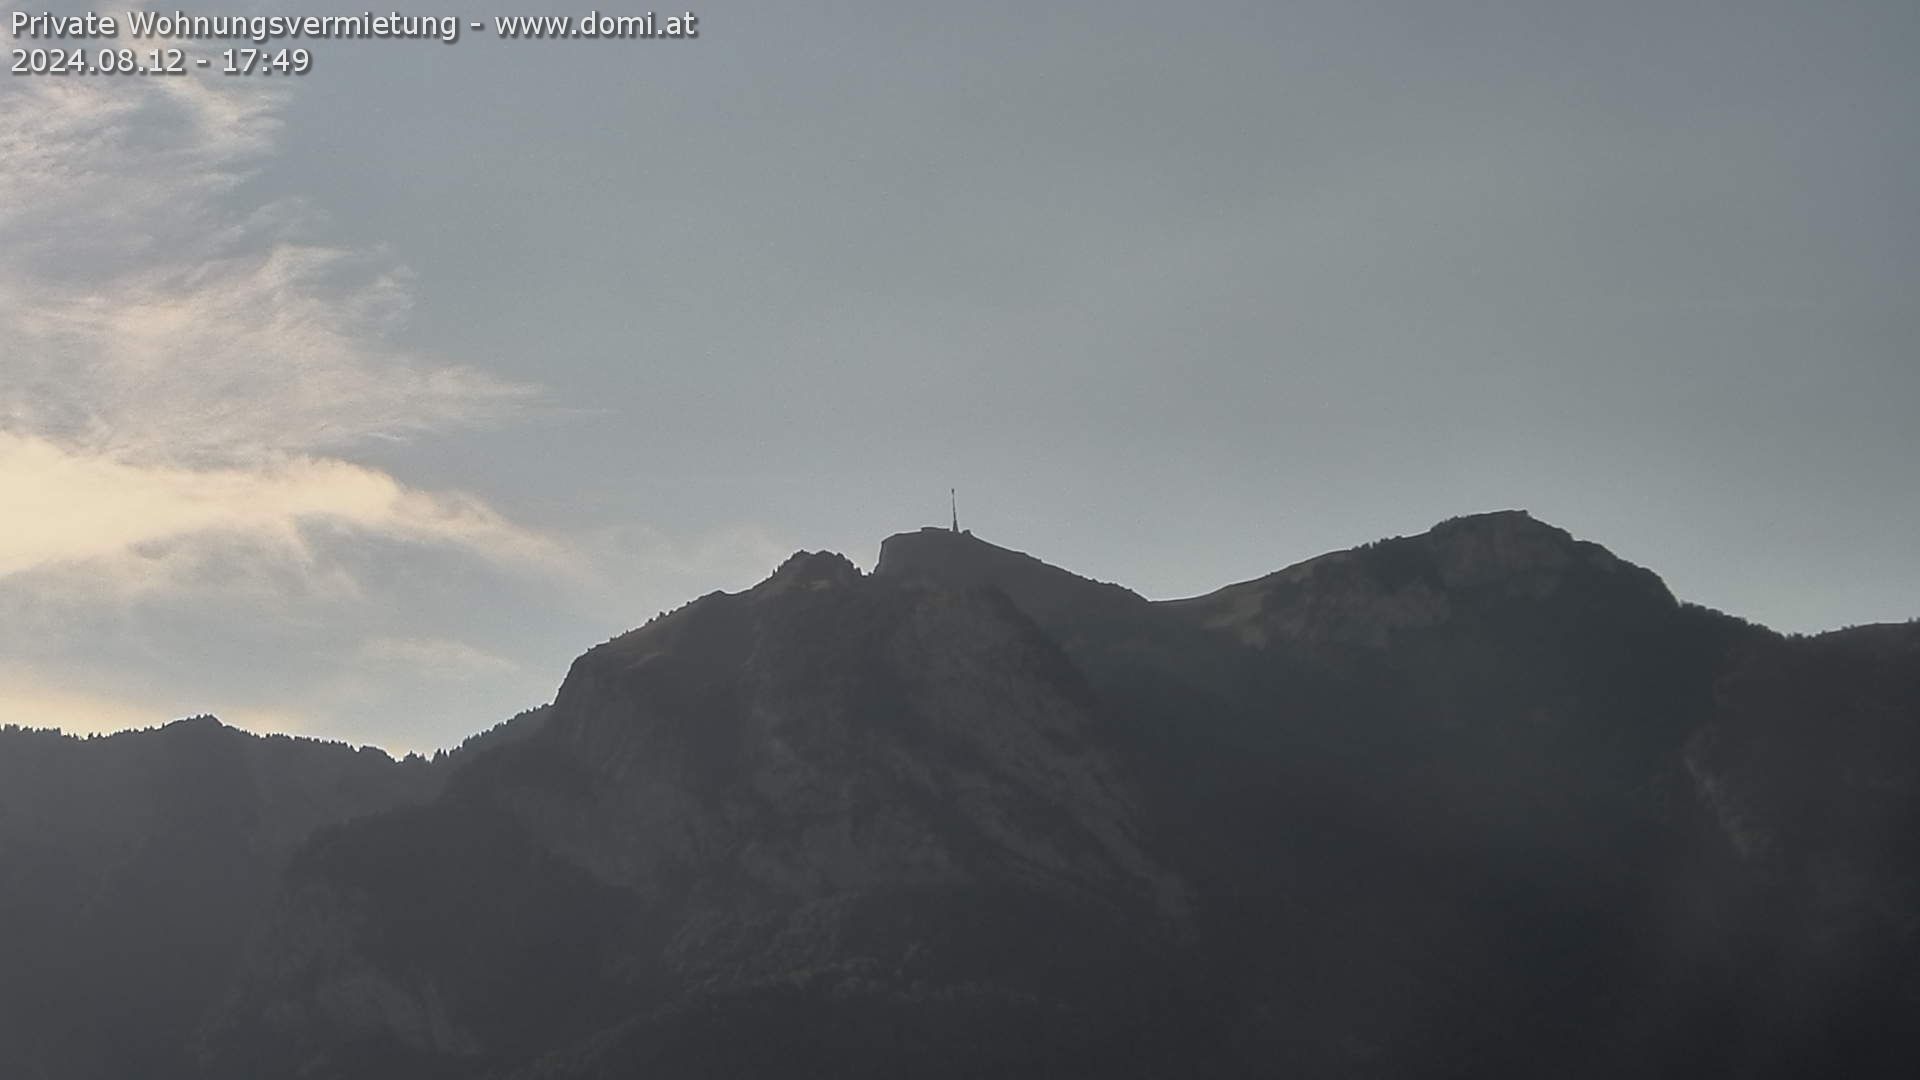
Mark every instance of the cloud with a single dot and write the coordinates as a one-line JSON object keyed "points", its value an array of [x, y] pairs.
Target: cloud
{"points": [[442, 658], [87, 508], [188, 375], [69, 147], [150, 312], [24, 701], [734, 556], [31, 701], [176, 362]]}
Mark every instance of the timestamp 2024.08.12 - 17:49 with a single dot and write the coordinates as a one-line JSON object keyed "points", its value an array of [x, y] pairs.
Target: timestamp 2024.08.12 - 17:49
{"points": [[169, 61]]}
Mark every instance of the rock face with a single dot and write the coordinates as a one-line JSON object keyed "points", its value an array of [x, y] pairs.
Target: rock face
{"points": [[887, 795], [1482, 801], [827, 732], [1365, 596]]}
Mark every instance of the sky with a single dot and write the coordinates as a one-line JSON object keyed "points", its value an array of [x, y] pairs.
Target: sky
{"points": [[357, 404]]}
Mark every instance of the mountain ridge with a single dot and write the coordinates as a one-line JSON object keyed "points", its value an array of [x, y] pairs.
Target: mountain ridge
{"points": [[1482, 799]]}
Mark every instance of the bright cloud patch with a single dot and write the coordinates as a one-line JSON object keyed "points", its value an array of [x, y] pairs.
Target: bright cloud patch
{"points": [[73, 507], [184, 376]]}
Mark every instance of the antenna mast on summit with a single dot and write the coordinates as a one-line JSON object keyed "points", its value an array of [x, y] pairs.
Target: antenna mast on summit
{"points": [[953, 499]]}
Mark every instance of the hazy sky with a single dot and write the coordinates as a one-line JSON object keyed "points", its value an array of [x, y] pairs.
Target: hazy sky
{"points": [[358, 404]]}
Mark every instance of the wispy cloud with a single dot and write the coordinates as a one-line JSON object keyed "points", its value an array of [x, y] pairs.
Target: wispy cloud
{"points": [[442, 658], [176, 360], [89, 508], [152, 314], [186, 372]]}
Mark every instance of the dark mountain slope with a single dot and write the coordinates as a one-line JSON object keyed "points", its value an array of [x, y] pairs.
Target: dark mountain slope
{"points": [[1810, 768], [1481, 801], [879, 805], [1444, 795], [131, 868]]}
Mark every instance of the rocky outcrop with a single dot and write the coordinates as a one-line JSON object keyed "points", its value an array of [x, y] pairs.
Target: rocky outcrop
{"points": [[826, 731], [1365, 596]]}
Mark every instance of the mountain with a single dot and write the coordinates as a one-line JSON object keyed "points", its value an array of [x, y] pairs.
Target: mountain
{"points": [[131, 867], [1483, 801], [833, 810], [135, 867]]}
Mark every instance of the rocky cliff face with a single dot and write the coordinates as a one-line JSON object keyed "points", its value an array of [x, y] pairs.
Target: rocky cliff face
{"points": [[891, 792], [826, 732]]}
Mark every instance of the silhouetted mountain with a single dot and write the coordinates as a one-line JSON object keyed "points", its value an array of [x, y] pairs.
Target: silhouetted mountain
{"points": [[1482, 801], [819, 809], [132, 868]]}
